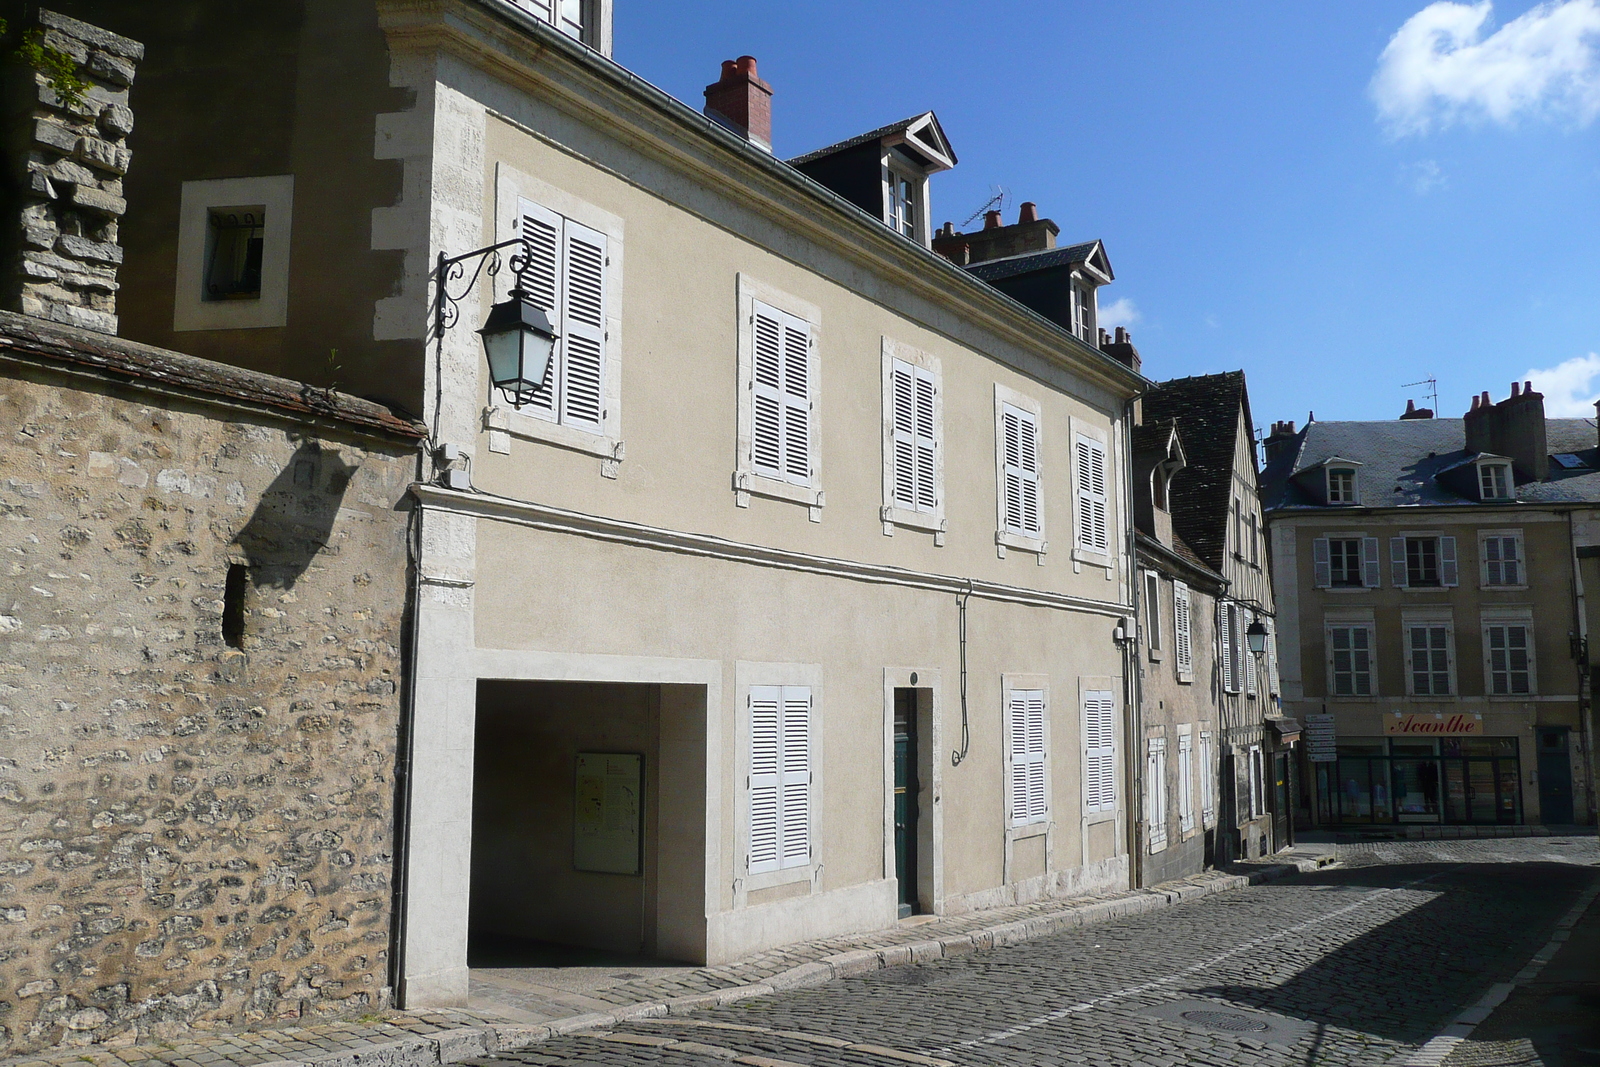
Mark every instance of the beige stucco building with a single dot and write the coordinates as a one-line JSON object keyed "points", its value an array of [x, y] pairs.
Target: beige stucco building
{"points": [[1436, 624]]}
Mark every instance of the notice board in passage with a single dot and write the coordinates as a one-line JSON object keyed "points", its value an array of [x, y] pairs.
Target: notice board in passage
{"points": [[608, 816]]}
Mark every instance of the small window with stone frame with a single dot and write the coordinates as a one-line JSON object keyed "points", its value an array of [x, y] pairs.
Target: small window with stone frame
{"points": [[235, 239]]}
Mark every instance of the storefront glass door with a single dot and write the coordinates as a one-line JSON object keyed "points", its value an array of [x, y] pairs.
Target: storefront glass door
{"points": [[1451, 780]]}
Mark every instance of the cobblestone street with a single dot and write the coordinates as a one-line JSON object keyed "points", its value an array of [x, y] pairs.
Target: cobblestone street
{"points": [[1362, 963]]}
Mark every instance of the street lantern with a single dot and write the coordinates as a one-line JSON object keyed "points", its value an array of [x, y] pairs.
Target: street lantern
{"points": [[1256, 634], [518, 339]]}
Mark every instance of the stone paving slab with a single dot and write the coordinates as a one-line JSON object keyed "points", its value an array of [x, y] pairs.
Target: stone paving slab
{"points": [[427, 1038]]}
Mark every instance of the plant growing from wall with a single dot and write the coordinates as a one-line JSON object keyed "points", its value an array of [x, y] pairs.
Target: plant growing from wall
{"points": [[58, 68]]}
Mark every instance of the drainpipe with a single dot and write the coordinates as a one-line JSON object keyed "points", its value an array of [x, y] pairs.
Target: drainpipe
{"points": [[1585, 678], [1131, 689]]}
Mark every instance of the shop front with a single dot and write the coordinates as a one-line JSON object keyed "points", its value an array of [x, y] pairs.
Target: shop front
{"points": [[1423, 769]]}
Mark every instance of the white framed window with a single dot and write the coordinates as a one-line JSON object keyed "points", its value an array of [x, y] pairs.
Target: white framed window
{"points": [[902, 202], [1508, 660], [1430, 656], [1185, 778], [1083, 311], [1350, 664], [1208, 779], [1423, 561], [1099, 751], [233, 254], [1155, 792], [1345, 562], [1182, 632], [1027, 761], [1152, 613], [913, 441], [571, 268], [1494, 481], [575, 18], [1091, 494], [1341, 485], [1018, 454], [779, 802], [778, 445], [1501, 560]]}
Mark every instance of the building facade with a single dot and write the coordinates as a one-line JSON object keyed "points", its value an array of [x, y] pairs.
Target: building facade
{"points": [[1434, 618], [789, 602]]}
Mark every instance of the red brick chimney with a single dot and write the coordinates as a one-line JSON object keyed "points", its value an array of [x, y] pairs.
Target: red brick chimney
{"points": [[742, 102]]}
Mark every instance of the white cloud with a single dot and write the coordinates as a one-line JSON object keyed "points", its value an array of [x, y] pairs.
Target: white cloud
{"points": [[1423, 176], [1569, 388], [1442, 68], [1120, 312]]}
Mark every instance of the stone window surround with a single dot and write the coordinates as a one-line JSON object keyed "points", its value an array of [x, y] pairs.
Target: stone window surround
{"points": [[1437, 616], [1351, 617], [1003, 539], [1517, 616], [512, 186], [746, 482], [891, 514], [190, 310]]}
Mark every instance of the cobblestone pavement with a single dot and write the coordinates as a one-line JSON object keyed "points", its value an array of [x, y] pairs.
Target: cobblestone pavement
{"points": [[1357, 964]]}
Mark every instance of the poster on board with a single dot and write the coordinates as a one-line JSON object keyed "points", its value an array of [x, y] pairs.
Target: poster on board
{"points": [[608, 812]]}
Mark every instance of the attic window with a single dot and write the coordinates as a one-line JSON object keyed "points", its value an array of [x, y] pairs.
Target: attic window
{"points": [[1341, 485], [1494, 481], [1083, 311], [1570, 461], [900, 209]]}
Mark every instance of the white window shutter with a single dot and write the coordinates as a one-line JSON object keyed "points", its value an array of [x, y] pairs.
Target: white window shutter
{"points": [[583, 340], [1185, 782], [1182, 634], [1397, 561], [1020, 441], [927, 491], [1156, 792], [1028, 797], [765, 753], [1369, 563], [1207, 776], [767, 403], [1225, 638], [1449, 572], [1100, 752], [796, 400], [540, 277], [795, 777], [1249, 666], [1321, 565], [1038, 798], [1093, 519], [903, 380]]}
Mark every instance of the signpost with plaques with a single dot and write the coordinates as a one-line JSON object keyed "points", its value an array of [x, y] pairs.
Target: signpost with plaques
{"points": [[1321, 745]]}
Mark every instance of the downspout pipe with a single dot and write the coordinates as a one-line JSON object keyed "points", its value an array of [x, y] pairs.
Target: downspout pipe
{"points": [[1585, 675], [1132, 689]]}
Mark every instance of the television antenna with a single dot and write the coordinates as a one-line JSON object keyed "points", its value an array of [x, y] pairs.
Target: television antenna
{"points": [[1432, 392], [997, 202]]}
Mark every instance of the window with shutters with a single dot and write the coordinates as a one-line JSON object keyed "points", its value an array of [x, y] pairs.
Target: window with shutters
{"points": [[1091, 495], [1345, 561], [1027, 767], [1182, 633], [778, 454], [779, 803], [1208, 779], [1500, 558], [1151, 610], [1229, 642], [1430, 656], [1155, 792], [1099, 752], [1185, 778], [1350, 671], [913, 441], [1508, 660], [1019, 451], [1423, 561]]}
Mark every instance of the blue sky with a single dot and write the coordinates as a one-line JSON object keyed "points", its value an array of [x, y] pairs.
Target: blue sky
{"points": [[1276, 190]]}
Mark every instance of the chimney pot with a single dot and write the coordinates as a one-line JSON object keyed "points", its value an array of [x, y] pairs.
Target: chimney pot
{"points": [[991, 220], [1028, 213], [1516, 387], [1122, 335], [741, 101], [1527, 387]]}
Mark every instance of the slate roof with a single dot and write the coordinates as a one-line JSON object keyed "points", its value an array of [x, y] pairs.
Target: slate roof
{"points": [[871, 135], [1207, 408], [1400, 460], [992, 269]]}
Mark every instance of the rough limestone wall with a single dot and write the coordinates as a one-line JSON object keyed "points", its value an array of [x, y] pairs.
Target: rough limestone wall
{"points": [[191, 834]]}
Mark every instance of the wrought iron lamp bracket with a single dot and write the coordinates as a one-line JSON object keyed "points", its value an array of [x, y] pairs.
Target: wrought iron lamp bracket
{"points": [[450, 269]]}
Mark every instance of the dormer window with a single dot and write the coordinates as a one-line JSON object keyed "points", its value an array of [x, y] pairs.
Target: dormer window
{"points": [[885, 172], [1083, 311], [1341, 485], [1494, 481], [903, 202]]}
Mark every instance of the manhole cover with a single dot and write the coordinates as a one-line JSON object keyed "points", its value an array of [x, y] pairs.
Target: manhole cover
{"points": [[627, 976], [1225, 1020]]}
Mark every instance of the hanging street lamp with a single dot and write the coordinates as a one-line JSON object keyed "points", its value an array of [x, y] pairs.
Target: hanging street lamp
{"points": [[518, 340]]}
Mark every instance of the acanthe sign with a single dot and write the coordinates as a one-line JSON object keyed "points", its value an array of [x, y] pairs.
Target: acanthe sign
{"points": [[1456, 725]]}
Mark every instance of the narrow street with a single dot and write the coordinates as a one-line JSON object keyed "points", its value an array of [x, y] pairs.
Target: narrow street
{"points": [[1362, 963]]}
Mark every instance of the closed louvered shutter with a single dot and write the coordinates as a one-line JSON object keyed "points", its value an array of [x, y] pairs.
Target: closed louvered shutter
{"points": [[904, 383], [781, 423], [583, 340], [1185, 782], [1093, 531], [1020, 439], [780, 777], [1397, 562], [1155, 792], [540, 279], [927, 490], [1029, 800], [1183, 634], [1100, 752], [1321, 567], [1369, 563], [1225, 639], [1449, 572]]}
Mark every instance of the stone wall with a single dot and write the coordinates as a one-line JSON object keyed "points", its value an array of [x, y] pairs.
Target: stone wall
{"points": [[67, 160], [191, 834]]}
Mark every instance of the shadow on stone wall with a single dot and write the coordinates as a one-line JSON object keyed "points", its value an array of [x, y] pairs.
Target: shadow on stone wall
{"points": [[295, 515]]}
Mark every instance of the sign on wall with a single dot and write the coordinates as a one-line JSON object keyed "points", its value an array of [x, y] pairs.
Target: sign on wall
{"points": [[1321, 740], [1458, 724], [608, 812]]}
